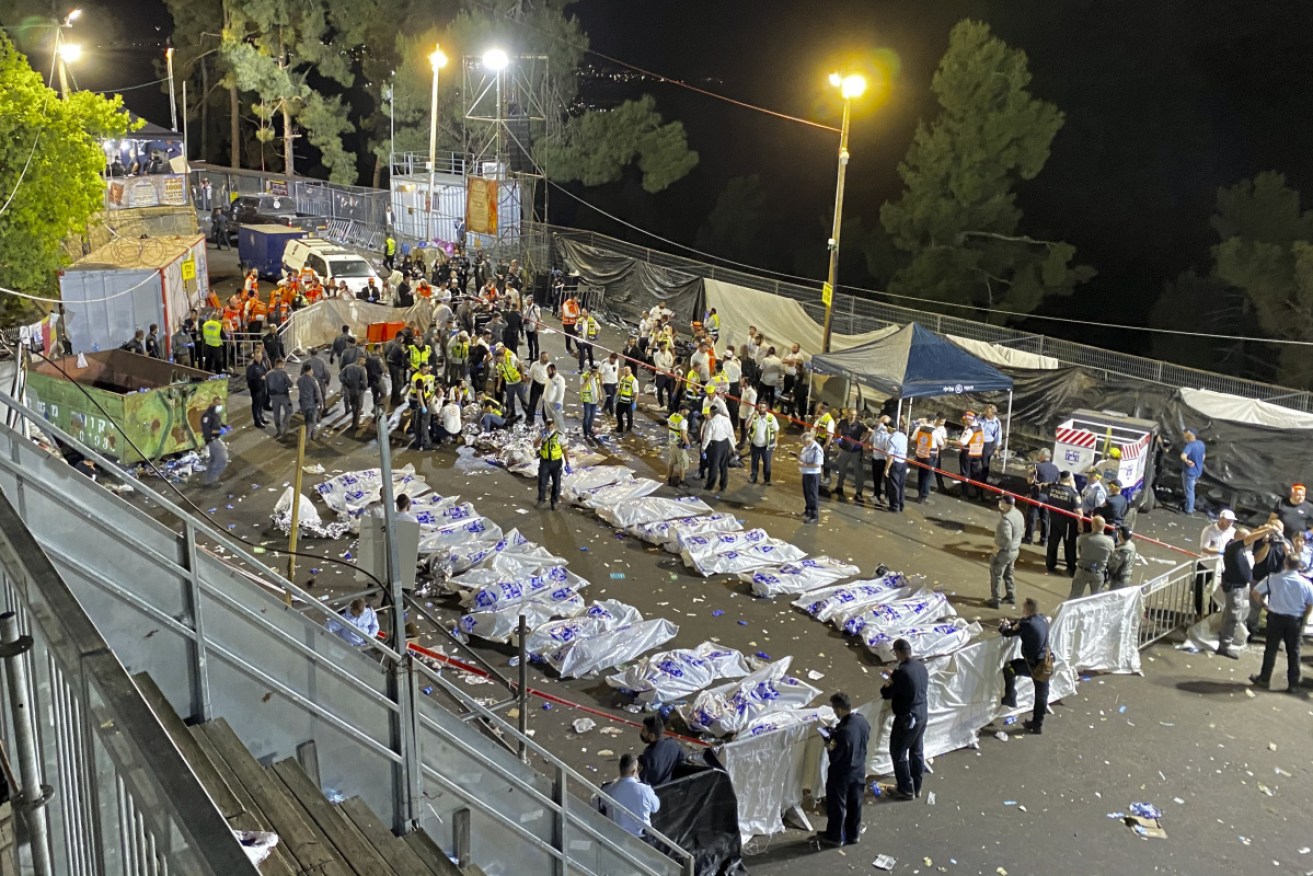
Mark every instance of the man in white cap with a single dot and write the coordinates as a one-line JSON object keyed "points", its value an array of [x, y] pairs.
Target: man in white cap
{"points": [[1212, 542]]}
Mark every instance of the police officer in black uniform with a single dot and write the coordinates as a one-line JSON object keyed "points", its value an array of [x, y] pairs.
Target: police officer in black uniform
{"points": [[1062, 527], [906, 688], [1033, 629], [1042, 479], [845, 782], [658, 761]]}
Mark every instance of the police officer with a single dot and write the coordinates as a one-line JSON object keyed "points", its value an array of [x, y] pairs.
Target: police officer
{"points": [[1007, 541], [658, 761], [1114, 507], [906, 689], [1121, 566], [354, 380], [212, 432], [1289, 602], [551, 455], [852, 438], [1093, 551], [1033, 630], [845, 781], [374, 377], [279, 385], [1043, 476], [1062, 527], [310, 399]]}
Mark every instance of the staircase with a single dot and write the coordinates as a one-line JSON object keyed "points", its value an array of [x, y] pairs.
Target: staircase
{"points": [[316, 837]]}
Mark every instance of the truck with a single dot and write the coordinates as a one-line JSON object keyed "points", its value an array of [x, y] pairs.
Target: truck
{"points": [[267, 209], [262, 246]]}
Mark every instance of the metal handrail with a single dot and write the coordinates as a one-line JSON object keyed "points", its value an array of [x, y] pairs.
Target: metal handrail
{"points": [[147, 761], [390, 656]]}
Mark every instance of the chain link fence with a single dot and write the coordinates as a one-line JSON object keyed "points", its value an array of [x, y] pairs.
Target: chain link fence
{"points": [[359, 216], [854, 314]]}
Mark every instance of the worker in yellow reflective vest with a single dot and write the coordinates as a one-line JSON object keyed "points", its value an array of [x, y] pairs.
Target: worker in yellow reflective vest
{"points": [[626, 398], [590, 390], [552, 455]]}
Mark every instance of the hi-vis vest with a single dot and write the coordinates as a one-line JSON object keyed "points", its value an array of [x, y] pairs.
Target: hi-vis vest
{"points": [[713, 324], [458, 353], [822, 427], [590, 329], [421, 388], [627, 389], [925, 441], [676, 428], [772, 427], [551, 448], [720, 382], [694, 384], [212, 333], [588, 390], [509, 373], [976, 443], [569, 312], [491, 407], [419, 354]]}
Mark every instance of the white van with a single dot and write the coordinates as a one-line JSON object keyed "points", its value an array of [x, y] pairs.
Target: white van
{"points": [[330, 261]]}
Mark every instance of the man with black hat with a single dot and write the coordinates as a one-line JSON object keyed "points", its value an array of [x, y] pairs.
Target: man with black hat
{"points": [[845, 781], [1007, 540]]}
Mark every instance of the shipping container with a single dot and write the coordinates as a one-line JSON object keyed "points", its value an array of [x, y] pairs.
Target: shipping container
{"points": [[124, 405], [261, 247], [129, 284]]}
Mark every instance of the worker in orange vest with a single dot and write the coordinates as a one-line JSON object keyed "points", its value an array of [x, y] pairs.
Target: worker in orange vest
{"points": [[971, 453], [569, 319]]}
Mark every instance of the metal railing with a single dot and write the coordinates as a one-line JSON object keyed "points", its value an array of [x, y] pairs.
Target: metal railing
{"points": [[857, 313], [218, 638], [1169, 603], [123, 799]]}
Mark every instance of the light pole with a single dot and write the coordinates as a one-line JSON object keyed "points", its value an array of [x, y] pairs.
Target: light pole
{"points": [[173, 100], [497, 60], [438, 60], [850, 87], [66, 53]]}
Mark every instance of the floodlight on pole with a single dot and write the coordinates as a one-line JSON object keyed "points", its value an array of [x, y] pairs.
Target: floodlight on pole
{"points": [[72, 17], [850, 86], [438, 60], [496, 60], [70, 53]]}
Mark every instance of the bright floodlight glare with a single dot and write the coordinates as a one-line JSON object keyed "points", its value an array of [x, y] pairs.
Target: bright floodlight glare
{"points": [[73, 16], [70, 52], [836, 80], [853, 86], [437, 59], [496, 60]]}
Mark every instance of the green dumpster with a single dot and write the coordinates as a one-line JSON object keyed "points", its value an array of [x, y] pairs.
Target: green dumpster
{"points": [[98, 397]]}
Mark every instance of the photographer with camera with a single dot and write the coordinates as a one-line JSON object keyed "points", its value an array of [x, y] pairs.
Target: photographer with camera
{"points": [[1036, 662]]}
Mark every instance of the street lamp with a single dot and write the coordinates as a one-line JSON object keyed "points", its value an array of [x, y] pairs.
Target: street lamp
{"points": [[438, 60], [69, 53], [851, 86]]}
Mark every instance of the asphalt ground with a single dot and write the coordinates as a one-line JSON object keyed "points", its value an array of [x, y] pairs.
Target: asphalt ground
{"points": [[1188, 730]]}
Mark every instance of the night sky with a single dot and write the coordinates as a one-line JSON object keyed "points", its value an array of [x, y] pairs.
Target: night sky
{"points": [[1165, 102]]}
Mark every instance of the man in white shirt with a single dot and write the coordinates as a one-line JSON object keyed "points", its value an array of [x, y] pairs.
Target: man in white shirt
{"points": [[717, 444], [879, 442], [700, 361], [538, 385], [554, 398], [791, 360], [610, 371], [359, 623], [664, 362], [772, 374], [533, 317], [748, 402], [639, 800], [763, 434], [1212, 541], [896, 470], [450, 419]]}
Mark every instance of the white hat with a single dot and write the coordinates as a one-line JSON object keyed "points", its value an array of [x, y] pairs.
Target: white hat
{"points": [[1227, 514]]}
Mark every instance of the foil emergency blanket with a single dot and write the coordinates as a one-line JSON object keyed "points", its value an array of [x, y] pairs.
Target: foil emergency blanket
{"points": [[803, 576], [668, 676], [498, 622], [618, 494], [927, 641], [450, 561], [489, 584], [459, 532], [755, 557], [731, 708], [308, 520], [773, 721]]}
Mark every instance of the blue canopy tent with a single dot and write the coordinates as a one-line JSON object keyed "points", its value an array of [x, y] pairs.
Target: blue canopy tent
{"points": [[914, 362]]}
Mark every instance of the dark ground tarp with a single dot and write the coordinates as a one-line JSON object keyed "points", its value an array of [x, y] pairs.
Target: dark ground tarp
{"points": [[1248, 468], [632, 285], [700, 812], [913, 362]]}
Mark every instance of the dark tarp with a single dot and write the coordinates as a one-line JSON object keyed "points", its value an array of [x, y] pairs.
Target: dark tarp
{"points": [[700, 811], [913, 362], [632, 285], [1249, 467]]}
